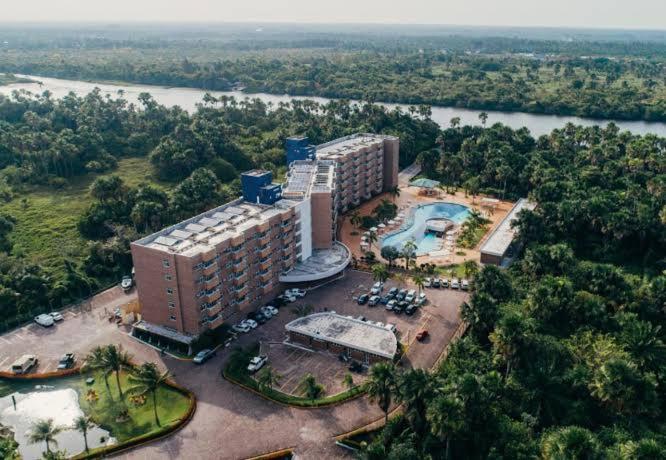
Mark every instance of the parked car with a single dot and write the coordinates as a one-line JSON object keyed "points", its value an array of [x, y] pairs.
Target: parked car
{"points": [[126, 283], [356, 366], [427, 283], [391, 327], [363, 299], [66, 361], [24, 364], [268, 312], [44, 320], [377, 288], [384, 300], [374, 300], [464, 285], [401, 294], [410, 310], [252, 323], [392, 303], [422, 335], [285, 299], [298, 293], [455, 284], [392, 292], [445, 283], [436, 283], [257, 363], [261, 318], [203, 356], [411, 295], [400, 307], [241, 327], [57, 316]]}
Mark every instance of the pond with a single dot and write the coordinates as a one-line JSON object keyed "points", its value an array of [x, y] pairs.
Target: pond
{"points": [[415, 226], [35, 400], [187, 98]]}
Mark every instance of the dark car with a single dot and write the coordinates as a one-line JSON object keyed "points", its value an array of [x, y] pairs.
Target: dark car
{"points": [[363, 299], [421, 336], [401, 294], [392, 292], [398, 309], [252, 315], [66, 361], [410, 310], [384, 300], [279, 301], [355, 366], [436, 283], [260, 318]]}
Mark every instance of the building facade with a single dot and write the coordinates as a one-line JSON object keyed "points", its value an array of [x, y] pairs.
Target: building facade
{"points": [[214, 267]]}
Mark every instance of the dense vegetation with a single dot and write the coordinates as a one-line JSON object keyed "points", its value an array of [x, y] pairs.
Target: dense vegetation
{"points": [[594, 75], [565, 355], [191, 163]]}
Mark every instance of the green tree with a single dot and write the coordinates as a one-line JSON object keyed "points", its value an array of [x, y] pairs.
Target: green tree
{"points": [[44, 431], [147, 380], [571, 443], [311, 388], [419, 281], [268, 378], [380, 273], [408, 253], [82, 424], [390, 254], [115, 360], [381, 386], [446, 418], [348, 381], [395, 193]]}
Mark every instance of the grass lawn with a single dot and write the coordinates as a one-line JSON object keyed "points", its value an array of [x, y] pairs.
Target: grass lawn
{"points": [[46, 230], [171, 406]]}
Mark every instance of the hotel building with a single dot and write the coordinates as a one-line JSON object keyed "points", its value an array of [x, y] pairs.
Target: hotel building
{"points": [[221, 264]]}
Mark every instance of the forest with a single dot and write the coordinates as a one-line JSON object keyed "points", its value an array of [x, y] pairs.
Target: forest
{"points": [[179, 165], [564, 356], [595, 76]]}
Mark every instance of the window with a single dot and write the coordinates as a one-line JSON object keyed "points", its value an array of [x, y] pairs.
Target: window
{"points": [[170, 291], [166, 263], [172, 305], [172, 318], [167, 277]]}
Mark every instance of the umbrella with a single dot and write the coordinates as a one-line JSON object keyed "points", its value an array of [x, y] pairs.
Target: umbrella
{"points": [[364, 238], [373, 229], [381, 226], [391, 222]]}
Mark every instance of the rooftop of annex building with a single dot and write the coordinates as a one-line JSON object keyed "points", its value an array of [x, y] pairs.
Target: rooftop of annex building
{"points": [[307, 176], [200, 233], [347, 332], [501, 238], [343, 146]]}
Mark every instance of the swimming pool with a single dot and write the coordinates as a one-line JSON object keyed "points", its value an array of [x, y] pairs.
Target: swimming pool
{"points": [[426, 242]]}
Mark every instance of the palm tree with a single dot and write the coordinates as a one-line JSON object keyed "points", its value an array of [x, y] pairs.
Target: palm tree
{"points": [[409, 252], [380, 273], [268, 378], [570, 442], [312, 389], [419, 281], [395, 193], [372, 238], [483, 116], [146, 380], [355, 219], [95, 362], [348, 381], [414, 390], [471, 268], [381, 385], [116, 360], [46, 431], [446, 419], [83, 424]]}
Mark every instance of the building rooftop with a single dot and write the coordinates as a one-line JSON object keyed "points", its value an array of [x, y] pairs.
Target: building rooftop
{"points": [[164, 332], [347, 332], [201, 233], [500, 239], [343, 146], [306, 176], [321, 264]]}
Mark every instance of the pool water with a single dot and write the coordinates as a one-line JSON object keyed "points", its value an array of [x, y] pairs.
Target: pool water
{"points": [[427, 242]]}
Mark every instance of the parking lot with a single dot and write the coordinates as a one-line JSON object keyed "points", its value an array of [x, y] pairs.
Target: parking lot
{"points": [[81, 329], [440, 317]]}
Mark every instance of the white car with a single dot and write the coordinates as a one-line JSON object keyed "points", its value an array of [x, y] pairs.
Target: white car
{"points": [[56, 315], [257, 363], [455, 284], [427, 282], [274, 311], [374, 300], [391, 303], [377, 288], [411, 295], [126, 283], [251, 323], [44, 320], [391, 327], [465, 285], [298, 293], [241, 327], [267, 312]]}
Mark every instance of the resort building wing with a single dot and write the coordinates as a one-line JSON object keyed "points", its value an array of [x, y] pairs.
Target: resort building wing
{"points": [[339, 334], [499, 247]]}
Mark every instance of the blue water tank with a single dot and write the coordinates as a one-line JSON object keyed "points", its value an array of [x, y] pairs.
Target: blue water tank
{"points": [[299, 148]]}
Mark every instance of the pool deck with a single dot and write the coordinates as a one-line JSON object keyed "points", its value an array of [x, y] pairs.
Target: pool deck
{"points": [[409, 197]]}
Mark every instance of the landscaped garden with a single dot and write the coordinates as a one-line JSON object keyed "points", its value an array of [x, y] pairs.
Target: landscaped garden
{"points": [[110, 405]]}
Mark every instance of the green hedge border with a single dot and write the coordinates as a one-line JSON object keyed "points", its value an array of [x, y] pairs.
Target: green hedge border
{"points": [[249, 384], [132, 443]]}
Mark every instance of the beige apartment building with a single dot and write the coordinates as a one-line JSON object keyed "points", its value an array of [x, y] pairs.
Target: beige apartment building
{"points": [[219, 265]]}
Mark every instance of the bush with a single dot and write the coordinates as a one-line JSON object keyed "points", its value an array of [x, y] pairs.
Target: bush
{"points": [[369, 222]]}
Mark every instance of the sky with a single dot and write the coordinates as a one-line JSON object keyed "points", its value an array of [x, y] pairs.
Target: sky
{"points": [[634, 14]]}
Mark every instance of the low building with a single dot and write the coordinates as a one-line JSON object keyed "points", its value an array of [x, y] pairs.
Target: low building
{"points": [[501, 246], [360, 340]]}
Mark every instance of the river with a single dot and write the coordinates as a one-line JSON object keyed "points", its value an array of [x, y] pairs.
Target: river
{"points": [[187, 98]]}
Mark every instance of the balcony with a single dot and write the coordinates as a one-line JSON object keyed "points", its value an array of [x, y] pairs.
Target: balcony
{"points": [[266, 264], [209, 268], [238, 255], [265, 252], [214, 310], [266, 288], [288, 239], [264, 240], [213, 296], [239, 265], [216, 322], [240, 290], [211, 283], [266, 276], [287, 251], [241, 279]]}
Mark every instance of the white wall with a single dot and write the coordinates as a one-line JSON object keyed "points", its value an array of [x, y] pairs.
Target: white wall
{"points": [[305, 216]]}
